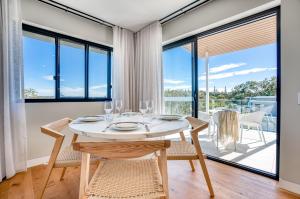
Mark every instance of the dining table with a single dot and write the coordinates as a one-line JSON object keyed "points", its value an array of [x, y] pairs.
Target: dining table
{"points": [[153, 126]]}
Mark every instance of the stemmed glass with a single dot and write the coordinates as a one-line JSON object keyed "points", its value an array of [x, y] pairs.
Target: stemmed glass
{"points": [[150, 109], [150, 106], [143, 107], [119, 105], [108, 107]]}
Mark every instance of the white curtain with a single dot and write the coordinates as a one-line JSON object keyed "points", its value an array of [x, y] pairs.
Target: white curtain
{"points": [[13, 136], [123, 79], [148, 64]]}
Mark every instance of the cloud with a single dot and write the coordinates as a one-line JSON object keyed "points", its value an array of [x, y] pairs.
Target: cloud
{"points": [[48, 77], [95, 91], [171, 81], [98, 90], [70, 91], [236, 73], [46, 92], [225, 67], [98, 86]]}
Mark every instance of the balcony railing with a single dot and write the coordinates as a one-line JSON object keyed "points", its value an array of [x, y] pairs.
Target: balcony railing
{"points": [[183, 106]]}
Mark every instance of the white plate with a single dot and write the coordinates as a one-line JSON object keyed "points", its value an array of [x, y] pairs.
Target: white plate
{"points": [[91, 118], [125, 126], [170, 117]]}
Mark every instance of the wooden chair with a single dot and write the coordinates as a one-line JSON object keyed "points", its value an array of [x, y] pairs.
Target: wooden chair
{"points": [[183, 150], [60, 158], [120, 176]]}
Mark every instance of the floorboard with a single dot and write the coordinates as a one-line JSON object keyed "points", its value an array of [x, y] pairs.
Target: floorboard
{"points": [[228, 183]]}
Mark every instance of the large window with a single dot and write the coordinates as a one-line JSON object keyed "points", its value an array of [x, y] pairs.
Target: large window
{"points": [[230, 72], [177, 63], [62, 68], [97, 62], [72, 67], [39, 62]]}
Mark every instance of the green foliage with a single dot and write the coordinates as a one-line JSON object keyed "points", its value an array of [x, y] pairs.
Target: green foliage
{"points": [[237, 97], [30, 93], [266, 87]]}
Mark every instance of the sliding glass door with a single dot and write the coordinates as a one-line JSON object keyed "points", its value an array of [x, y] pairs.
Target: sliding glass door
{"points": [[177, 64], [233, 85]]}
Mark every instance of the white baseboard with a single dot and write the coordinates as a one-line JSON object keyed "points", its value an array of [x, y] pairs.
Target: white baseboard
{"points": [[290, 186], [37, 161]]}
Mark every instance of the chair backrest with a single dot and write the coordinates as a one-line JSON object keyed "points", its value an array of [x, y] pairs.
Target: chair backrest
{"points": [[197, 125], [204, 116], [119, 150], [54, 129], [267, 109], [256, 117]]}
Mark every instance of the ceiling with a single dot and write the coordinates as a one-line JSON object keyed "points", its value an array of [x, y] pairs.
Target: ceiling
{"points": [[130, 14], [261, 32]]}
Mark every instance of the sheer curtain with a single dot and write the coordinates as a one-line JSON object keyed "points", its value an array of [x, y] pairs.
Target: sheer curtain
{"points": [[13, 136], [148, 63], [123, 79]]}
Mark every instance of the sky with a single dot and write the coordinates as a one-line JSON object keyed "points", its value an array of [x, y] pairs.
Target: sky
{"points": [[39, 67], [228, 69]]}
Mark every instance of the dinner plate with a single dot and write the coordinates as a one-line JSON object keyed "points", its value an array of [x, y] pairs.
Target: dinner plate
{"points": [[170, 117], [125, 126], [91, 118]]}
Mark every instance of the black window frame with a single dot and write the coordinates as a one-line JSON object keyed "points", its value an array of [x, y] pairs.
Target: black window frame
{"points": [[87, 45], [194, 40]]}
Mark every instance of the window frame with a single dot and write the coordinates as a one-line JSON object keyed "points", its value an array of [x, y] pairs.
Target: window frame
{"points": [[87, 45]]}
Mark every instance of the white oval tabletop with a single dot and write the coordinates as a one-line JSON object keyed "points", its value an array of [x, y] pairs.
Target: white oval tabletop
{"points": [[156, 128]]}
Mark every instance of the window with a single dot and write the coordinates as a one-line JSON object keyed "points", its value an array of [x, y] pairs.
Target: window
{"points": [[177, 65], [39, 73], [72, 67], [97, 62], [62, 68]]}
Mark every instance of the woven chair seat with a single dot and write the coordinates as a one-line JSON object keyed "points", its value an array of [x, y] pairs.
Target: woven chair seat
{"points": [[121, 179], [181, 150], [68, 157]]}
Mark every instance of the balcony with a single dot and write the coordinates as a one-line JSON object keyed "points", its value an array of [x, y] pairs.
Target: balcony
{"points": [[251, 150]]}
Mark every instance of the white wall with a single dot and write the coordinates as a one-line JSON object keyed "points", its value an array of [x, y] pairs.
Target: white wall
{"points": [[38, 114], [206, 15], [290, 86], [52, 18]]}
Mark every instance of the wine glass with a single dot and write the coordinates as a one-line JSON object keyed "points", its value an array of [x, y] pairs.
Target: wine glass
{"points": [[119, 105], [108, 107], [150, 107], [143, 107]]}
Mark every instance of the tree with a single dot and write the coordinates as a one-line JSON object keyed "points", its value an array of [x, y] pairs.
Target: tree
{"points": [[30, 93], [266, 87], [236, 97]]}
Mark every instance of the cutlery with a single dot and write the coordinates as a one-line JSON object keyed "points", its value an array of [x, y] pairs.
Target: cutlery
{"points": [[147, 128], [108, 126]]}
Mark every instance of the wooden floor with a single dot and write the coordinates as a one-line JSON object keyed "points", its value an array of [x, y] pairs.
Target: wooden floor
{"points": [[228, 182]]}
